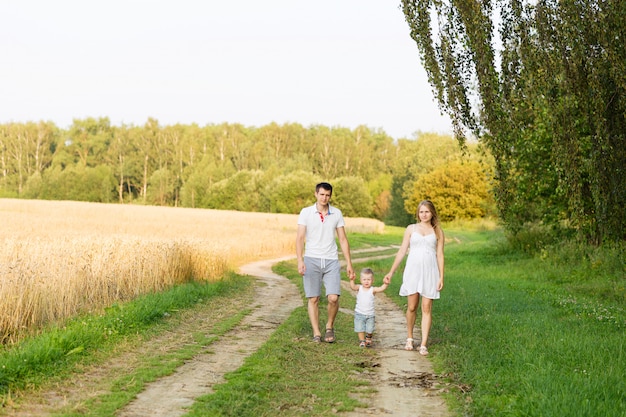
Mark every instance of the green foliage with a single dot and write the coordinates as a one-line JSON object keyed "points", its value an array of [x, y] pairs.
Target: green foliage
{"points": [[77, 183], [200, 178], [161, 187], [291, 192], [549, 103], [25, 150], [413, 159], [228, 166], [435, 167], [380, 191], [397, 214], [241, 192], [88, 140], [352, 197], [458, 190]]}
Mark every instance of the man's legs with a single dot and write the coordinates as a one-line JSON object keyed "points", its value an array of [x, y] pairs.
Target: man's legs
{"points": [[333, 308], [312, 282], [332, 283], [314, 315]]}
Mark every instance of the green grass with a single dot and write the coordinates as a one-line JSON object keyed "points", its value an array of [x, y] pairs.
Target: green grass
{"points": [[124, 388], [57, 351], [291, 376], [510, 338], [391, 236], [525, 336]]}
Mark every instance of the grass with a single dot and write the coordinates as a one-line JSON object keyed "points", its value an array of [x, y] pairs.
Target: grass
{"points": [[124, 388], [60, 350], [289, 375], [520, 340]]}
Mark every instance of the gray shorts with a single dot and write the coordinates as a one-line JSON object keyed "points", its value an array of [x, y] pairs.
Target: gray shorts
{"points": [[319, 270]]}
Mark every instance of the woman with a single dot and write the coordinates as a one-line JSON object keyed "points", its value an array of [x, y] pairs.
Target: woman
{"points": [[423, 272]]}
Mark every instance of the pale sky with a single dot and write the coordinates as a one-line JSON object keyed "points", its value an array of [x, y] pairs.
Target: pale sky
{"points": [[329, 62]]}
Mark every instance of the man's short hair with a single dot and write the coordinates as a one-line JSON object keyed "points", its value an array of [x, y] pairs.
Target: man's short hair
{"points": [[325, 186]]}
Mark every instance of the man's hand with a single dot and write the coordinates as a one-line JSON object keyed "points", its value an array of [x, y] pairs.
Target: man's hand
{"points": [[350, 272]]}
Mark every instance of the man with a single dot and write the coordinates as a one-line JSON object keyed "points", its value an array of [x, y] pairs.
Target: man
{"points": [[318, 260]]}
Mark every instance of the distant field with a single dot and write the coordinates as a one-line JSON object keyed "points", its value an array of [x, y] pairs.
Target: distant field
{"points": [[60, 258]]}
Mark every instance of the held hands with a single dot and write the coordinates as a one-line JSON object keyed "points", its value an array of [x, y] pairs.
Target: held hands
{"points": [[387, 279], [351, 273]]}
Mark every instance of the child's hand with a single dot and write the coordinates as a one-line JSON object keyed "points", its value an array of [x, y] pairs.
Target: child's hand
{"points": [[386, 280], [352, 277]]}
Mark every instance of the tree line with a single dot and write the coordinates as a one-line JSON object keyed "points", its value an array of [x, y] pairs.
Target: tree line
{"points": [[542, 84], [272, 168]]}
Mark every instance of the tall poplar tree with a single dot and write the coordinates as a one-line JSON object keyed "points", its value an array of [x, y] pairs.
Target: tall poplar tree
{"points": [[542, 84]]}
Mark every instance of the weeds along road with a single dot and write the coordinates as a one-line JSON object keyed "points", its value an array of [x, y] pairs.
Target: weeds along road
{"points": [[405, 383]]}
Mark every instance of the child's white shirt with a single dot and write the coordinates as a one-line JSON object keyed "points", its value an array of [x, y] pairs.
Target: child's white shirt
{"points": [[365, 301]]}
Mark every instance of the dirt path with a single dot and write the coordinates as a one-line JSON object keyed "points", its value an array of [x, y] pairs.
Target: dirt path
{"points": [[404, 380]]}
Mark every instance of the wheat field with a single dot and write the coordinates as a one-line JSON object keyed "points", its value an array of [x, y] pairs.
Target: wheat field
{"points": [[60, 258]]}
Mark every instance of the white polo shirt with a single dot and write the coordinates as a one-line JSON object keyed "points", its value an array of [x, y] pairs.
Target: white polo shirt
{"points": [[320, 236]]}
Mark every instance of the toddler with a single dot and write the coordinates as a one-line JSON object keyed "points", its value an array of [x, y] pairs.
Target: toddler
{"points": [[364, 310]]}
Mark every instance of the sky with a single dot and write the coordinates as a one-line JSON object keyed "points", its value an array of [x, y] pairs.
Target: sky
{"points": [[338, 63]]}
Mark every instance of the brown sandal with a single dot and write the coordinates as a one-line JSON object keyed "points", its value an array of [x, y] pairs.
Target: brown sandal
{"points": [[329, 337]]}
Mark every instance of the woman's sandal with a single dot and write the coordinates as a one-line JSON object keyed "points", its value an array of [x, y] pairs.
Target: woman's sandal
{"points": [[317, 339], [329, 337], [423, 350], [409, 344]]}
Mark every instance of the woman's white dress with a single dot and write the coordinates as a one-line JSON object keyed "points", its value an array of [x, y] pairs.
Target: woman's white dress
{"points": [[421, 272]]}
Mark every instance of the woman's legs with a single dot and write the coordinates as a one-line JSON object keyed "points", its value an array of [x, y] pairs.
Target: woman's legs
{"points": [[427, 318], [411, 313]]}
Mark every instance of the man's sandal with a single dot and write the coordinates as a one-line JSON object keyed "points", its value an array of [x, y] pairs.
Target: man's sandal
{"points": [[329, 337], [409, 344], [317, 339], [362, 343], [423, 350], [368, 340]]}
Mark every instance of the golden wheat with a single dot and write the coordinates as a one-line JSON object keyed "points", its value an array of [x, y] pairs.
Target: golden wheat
{"points": [[59, 258]]}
